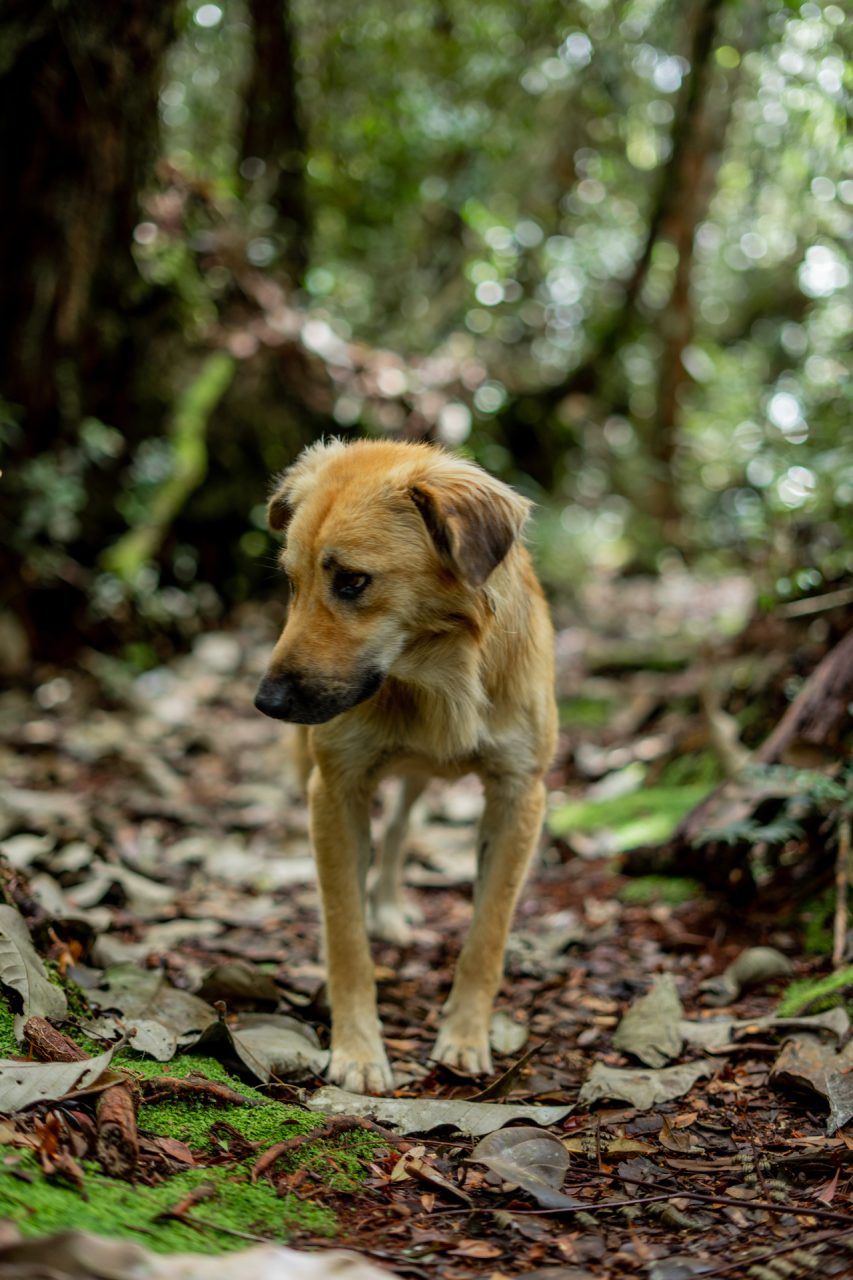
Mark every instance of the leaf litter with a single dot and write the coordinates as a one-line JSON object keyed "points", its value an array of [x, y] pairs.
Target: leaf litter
{"points": [[195, 873]]}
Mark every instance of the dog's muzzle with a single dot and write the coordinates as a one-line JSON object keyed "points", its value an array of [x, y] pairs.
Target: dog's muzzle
{"points": [[290, 696]]}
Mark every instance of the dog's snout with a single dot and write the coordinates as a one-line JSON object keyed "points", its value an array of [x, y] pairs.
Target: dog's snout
{"points": [[288, 695], [277, 696]]}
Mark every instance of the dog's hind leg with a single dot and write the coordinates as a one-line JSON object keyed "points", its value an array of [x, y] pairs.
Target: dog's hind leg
{"points": [[388, 915], [340, 831], [508, 836]]}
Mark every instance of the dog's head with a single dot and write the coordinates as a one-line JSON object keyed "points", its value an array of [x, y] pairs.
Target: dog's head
{"points": [[386, 545]]}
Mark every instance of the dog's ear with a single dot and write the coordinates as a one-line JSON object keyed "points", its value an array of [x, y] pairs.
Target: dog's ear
{"points": [[472, 518], [280, 507], [290, 487]]}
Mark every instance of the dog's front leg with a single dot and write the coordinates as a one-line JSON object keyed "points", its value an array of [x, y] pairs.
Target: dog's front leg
{"points": [[340, 831], [509, 832]]}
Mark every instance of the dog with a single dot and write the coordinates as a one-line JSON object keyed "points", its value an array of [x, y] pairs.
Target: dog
{"points": [[418, 643]]}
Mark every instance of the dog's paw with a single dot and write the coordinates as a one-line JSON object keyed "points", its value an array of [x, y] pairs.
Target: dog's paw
{"points": [[388, 922], [464, 1050], [361, 1070]]}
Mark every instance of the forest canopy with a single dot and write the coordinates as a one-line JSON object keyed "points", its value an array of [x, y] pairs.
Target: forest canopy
{"points": [[602, 246]]}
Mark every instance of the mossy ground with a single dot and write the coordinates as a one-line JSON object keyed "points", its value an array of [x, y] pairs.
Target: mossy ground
{"points": [[40, 1205], [110, 1207]]}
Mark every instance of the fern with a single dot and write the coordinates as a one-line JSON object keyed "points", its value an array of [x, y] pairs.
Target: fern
{"points": [[801, 791]]}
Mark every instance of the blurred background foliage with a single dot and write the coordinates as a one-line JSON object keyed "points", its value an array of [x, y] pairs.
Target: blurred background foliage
{"points": [[603, 245]]}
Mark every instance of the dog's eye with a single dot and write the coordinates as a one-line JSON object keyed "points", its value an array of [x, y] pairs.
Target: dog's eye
{"points": [[349, 585]]}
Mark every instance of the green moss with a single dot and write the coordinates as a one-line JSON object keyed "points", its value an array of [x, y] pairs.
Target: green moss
{"points": [[646, 816], [672, 890], [814, 995], [128, 1210], [39, 1205], [8, 1044], [339, 1163], [817, 918], [585, 713]]}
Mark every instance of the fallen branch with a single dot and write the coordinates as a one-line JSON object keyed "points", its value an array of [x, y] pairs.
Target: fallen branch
{"points": [[186, 1088], [332, 1129]]}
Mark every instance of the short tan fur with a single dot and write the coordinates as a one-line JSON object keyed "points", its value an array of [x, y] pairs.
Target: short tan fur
{"points": [[417, 643]]}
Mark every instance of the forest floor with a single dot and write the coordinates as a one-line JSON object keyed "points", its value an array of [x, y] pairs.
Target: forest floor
{"points": [[153, 841]]}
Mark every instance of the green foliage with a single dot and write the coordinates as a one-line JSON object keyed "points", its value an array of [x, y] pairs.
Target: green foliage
{"points": [[672, 890], [814, 995], [487, 184], [152, 516], [803, 792], [585, 713], [817, 917], [646, 816]]}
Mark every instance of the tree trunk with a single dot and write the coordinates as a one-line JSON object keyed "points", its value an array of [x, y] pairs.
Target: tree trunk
{"points": [[696, 148], [78, 125], [273, 131], [525, 423]]}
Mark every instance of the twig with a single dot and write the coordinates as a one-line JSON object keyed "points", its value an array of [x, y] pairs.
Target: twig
{"points": [[771, 1207], [842, 883], [332, 1129], [825, 1237], [156, 1088]]}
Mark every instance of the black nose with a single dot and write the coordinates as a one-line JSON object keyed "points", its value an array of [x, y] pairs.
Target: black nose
{"points": [[276, 697]]}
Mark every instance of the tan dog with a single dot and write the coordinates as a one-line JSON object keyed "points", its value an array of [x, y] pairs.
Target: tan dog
{"points": [[418, 642]]}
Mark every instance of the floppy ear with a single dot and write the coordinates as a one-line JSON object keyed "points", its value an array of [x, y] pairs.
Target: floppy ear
{"points": [[472, 518], [280, 506], [290, 487]]}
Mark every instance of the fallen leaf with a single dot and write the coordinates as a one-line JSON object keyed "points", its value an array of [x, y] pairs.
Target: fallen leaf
{"points": [[23, 1083], [420, 1115], [70, 1255], [477, 1249], [826, 1194], [272, 1045], [505, 1034], [530, 1158], [753, 966], [809, 1063], [643, 1089], [412, 1164], [22, 970], [241, 985], [714, 1033], [166, 1018], [650, 1030]]}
